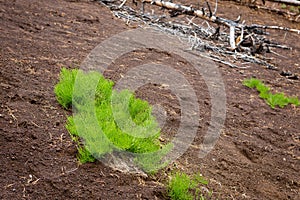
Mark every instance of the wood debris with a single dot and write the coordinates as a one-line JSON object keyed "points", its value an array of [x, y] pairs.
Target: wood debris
{"points": [[230, 41]]}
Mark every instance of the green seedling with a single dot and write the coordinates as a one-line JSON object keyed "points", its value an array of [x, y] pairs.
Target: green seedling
{"points": [[183, 187], [105, 120], [273, 100]]}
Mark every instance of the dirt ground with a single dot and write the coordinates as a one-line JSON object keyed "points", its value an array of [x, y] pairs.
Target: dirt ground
{"points": [[257, 155]]}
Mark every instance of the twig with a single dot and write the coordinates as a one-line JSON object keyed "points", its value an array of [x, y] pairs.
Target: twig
{"points": [[219, 60], [242, 34], [143, 7], [279, 46], [231, 37], [122, 4], [216, 7], [255, 26], [255, 60], [11, 113], [9, 185], [35, 124], [277, 54], [209, 9]]}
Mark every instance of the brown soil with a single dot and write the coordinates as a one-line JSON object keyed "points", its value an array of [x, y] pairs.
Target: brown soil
{"points": [[256, 157]]}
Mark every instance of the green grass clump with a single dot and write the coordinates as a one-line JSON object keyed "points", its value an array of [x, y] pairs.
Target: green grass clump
{"points": [[295, 9], [283, 6], [183, 187], [64, 89], [278, 99], [105, 120], [84, 155]]}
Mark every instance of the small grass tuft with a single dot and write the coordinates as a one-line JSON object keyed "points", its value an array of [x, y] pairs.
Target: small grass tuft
{"points": [[278, 99], [84, 156], [183, 187], [283, 6]]}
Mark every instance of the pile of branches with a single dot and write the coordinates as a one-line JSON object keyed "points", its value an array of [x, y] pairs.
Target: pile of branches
{"points": [[239, 41]]}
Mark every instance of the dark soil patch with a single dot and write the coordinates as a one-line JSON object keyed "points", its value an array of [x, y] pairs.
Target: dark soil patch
{"points": [[256, 157]]}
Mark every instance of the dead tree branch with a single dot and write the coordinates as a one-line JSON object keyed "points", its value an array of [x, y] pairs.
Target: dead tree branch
{"points": [[241, 43], [212, 18], [289, 2]]}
